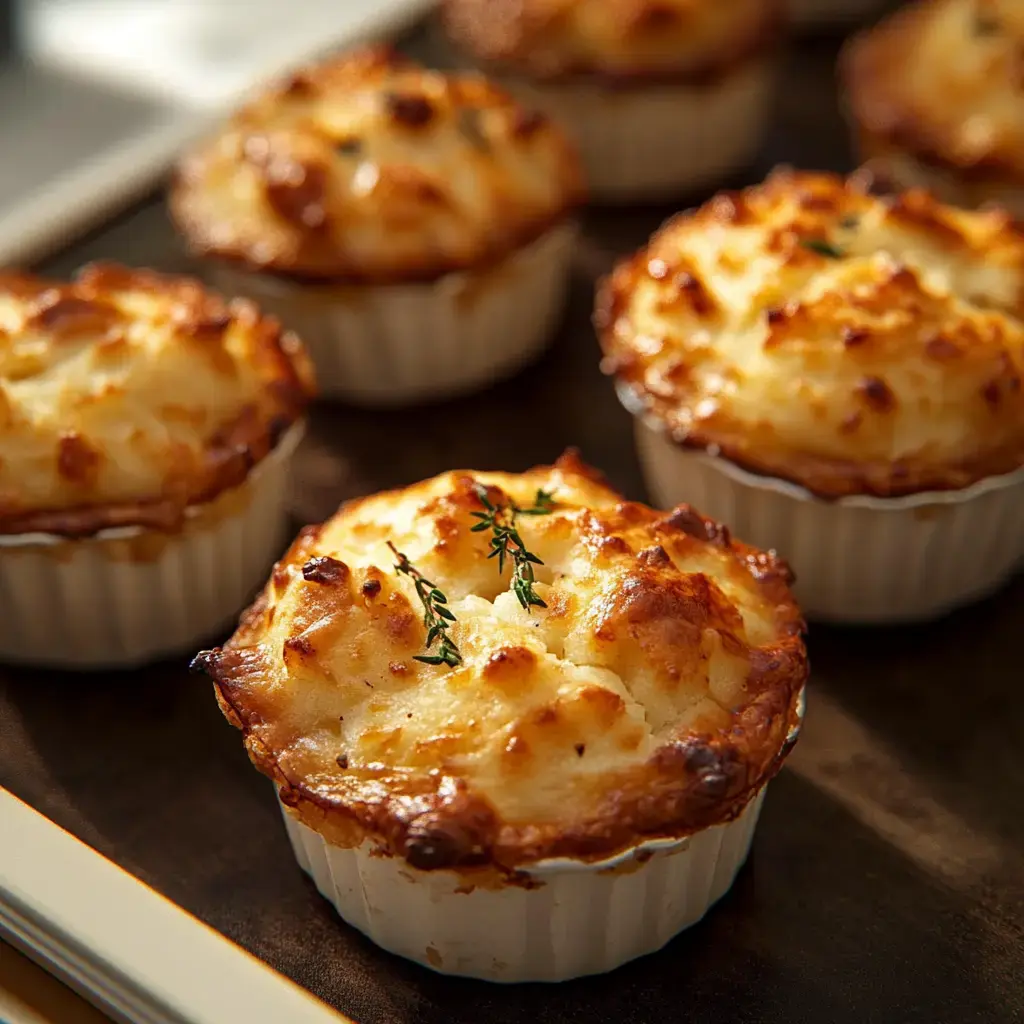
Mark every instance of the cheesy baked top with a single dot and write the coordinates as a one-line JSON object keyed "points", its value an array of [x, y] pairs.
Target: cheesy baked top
{"points": [[368, 167], [653, 693], [809, 330], [944, 79], [126, 396], [619, 38]]}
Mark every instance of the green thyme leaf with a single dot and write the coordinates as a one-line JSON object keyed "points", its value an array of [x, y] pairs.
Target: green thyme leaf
{"points": [[436, 617], [506, 541], [823, 248]]}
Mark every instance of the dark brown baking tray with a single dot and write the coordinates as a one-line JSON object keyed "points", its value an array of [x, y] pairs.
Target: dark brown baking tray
{"points": [[887, 878]]}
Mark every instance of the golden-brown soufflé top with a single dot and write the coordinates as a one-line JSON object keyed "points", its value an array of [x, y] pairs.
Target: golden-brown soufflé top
{"points": [[653, 693], [619, 40], [370, 168], [809, 330], [126, 396], [944, 79]]}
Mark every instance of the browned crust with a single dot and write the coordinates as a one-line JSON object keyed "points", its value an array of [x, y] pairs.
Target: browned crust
{"points": [[423, 271], [885, 117], [520, 39], [231, 452], [691, 782], [826, 478], [317, 254]]}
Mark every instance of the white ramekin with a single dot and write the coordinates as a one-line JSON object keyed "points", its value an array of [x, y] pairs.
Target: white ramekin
{"points": [[129, 596], [831, 13], [858, 559], [657, 141], [574, 918], [387, 345], [579, 919]]}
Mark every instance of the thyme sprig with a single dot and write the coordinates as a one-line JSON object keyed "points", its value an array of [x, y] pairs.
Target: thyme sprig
{"points": [[823, 248], [506, 541], [437, 617]]}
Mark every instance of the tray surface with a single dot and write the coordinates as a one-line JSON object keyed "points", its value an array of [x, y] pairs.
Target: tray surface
{"points": [[887, 877]]}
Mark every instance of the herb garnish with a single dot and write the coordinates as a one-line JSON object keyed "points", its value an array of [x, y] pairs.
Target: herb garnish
{"points": [[823, 248], [436, 616], [507, 543]]}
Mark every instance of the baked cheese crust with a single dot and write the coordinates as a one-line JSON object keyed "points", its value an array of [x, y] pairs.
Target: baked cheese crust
{"points": [[698, 40], [370, 168], [654, 694], [126, 396], [809, 330], [943, 81]]}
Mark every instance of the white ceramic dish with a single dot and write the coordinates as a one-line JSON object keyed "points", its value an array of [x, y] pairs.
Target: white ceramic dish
{"points": [[128, 596], [576, 919], [582, 919], [387, 345], [659, 141], [859, 559]]}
